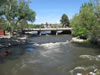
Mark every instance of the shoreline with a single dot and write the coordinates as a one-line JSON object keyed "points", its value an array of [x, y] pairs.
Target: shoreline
{"points": [[6, 42], [9, 42], [76, 40]]}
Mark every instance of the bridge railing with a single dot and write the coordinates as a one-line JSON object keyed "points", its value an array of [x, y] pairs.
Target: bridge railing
{"points": [[46, 29]]}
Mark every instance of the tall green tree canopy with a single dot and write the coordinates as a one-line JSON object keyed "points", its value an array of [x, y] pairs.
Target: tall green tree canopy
{"points": [[2, 2], [16, 10], [64, 21], [85, 24]]}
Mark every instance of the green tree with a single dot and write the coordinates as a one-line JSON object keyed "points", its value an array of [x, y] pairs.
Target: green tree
{"points": [[85, 24], [64, 21], [2, 2], [2, 22], [15, 11]]}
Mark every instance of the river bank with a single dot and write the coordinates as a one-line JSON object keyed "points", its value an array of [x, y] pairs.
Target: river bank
{"points": [[77, 40], [8, 42]]}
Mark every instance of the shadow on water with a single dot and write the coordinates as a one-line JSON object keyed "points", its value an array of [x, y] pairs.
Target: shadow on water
{"points": [[88, 45], [14, 52], [11, 55]]}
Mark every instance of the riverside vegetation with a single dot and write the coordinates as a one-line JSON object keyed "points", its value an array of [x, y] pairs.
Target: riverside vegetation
{"points": [[86, 23], [15, 15]]}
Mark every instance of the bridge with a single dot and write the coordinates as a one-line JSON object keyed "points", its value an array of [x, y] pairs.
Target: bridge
{"points": [[53, 30]]}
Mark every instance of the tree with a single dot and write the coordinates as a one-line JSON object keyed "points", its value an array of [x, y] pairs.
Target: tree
{"points": [[96, 4], [2, 2], [2, 22], [15, 11], [85, 24], [64, 21], [25, 14]]}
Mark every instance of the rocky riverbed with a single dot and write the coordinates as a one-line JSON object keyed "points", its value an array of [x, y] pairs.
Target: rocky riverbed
{"points": [[8, 42]]}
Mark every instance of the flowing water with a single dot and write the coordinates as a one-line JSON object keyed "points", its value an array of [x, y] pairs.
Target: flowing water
{"points": [[50, 55]]}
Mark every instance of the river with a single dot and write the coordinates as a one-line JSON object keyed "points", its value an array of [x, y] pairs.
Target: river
{"points": [[50, 55]]}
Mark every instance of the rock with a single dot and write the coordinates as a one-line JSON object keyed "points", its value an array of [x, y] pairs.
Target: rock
{"points": [[91, 73], [79, 73], [11, 42]]}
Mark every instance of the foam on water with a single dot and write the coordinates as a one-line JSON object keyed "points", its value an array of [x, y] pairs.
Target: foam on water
{"points": [[23, 66], [82, 68], [90, 57], [49, 52], [50, 48], [50, 45]]}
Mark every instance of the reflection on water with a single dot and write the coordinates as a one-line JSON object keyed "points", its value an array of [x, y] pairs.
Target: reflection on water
{"points": [[50, 55]]}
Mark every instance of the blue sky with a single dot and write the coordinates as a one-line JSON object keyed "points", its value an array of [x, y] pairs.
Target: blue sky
{"points": [[51, 10]]}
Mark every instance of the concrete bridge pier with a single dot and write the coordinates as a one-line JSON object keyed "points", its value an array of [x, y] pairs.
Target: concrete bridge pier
{"points": [[39, 33], [54, 33]]}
